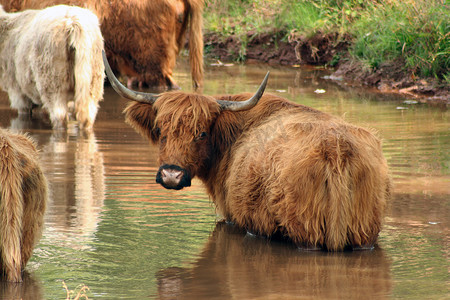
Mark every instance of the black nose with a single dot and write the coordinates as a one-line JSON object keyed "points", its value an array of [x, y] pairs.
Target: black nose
{"points": [[173, 177]]}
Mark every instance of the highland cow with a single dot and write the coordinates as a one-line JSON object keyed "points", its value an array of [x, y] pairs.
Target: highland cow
{"points": [[271, 166], [51, 57], [23, 197]]}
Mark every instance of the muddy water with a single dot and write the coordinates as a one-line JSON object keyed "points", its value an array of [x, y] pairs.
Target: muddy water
{"points": [[112, 229]]}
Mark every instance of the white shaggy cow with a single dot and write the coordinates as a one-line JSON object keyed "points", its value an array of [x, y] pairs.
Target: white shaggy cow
{"points": [[23, 199], [50, 57]]}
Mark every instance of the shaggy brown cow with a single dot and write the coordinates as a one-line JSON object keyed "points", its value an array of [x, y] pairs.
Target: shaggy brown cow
{"points": [[23, 196], [142, 38], [270, 165]]}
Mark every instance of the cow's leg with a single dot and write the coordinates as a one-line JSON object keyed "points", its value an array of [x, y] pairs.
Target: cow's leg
{"points": [[131, 81], [171, 83], [20, 102], [57, 109], [86, 114]]}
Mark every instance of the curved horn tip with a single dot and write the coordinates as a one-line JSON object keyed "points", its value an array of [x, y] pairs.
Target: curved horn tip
{"points": [[266, 77], [264, 82], [122, 90], [247, 104]]}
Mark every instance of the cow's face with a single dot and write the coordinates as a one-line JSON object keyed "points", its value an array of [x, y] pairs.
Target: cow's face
{"points": [[181, 125]]}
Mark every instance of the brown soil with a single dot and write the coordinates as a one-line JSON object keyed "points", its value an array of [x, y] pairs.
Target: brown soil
{"points": [[393, 78], [324, 49], [274, 48]]}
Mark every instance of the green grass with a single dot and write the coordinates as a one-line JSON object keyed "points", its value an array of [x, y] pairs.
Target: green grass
{"points": [[418, 32], [414, 32], [240, 16]]}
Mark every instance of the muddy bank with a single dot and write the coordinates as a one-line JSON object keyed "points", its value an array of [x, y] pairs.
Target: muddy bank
{"points": [[393, 78], [275, 48], [323, 49]]}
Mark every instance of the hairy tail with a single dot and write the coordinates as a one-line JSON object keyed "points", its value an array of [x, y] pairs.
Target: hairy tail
{"points": [[196, 42], [338, 216], [86, 41], [357, 190], [11, 210]]}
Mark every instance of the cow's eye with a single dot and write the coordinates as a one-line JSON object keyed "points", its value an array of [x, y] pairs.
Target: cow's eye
{"points": [[157, 131], [201, 136]]}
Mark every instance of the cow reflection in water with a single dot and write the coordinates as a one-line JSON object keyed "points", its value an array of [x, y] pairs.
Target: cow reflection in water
{"points": [[75, 206], [234, 265], [75, 171], [29, 288]]}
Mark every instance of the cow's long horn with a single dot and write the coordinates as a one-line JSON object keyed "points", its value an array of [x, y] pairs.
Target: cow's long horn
{"points": [[247, 104], [122, 90]]}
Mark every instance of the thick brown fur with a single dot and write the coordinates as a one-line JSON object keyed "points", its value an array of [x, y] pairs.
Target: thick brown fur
{"points": [[23, 198], [279, 167], [142, 38]]}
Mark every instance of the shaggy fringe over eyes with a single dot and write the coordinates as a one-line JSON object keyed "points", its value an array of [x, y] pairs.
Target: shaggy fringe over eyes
{"points": [[182, 111]]}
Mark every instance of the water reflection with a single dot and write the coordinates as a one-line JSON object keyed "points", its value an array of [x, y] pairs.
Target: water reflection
{"points": [[234, 265], [29, 289], [77, 183]]}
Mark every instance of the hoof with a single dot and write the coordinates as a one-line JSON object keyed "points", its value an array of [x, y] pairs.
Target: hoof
{"points": [[252, 234], [309, 247], [363, 247]]}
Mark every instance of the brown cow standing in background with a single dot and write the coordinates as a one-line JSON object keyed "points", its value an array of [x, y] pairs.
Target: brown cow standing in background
{"points": [[270, 165], [23, 197], [142, 38]]}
